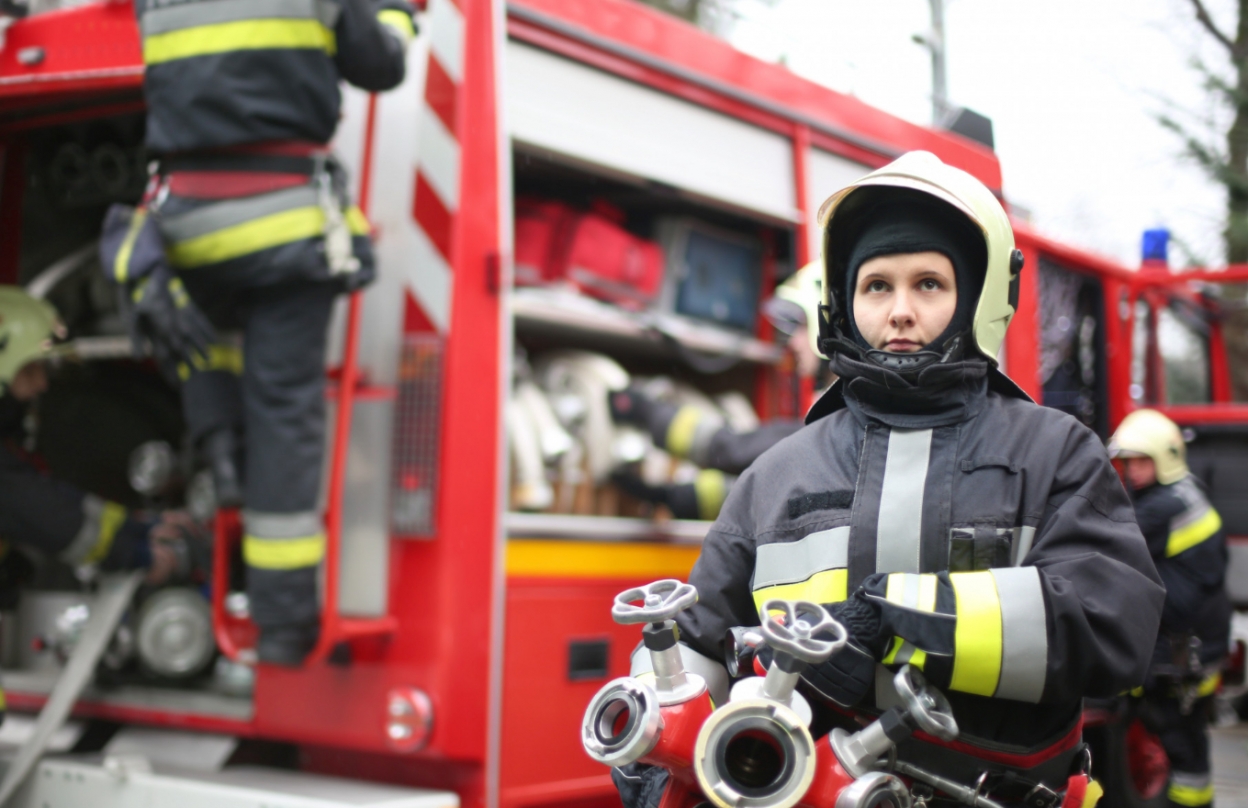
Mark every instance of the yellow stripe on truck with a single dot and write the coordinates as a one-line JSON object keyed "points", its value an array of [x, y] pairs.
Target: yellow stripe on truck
{"points": [[548, 558]]}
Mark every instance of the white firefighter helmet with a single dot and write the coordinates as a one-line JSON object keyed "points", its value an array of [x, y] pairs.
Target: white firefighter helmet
{"points": [[924, 172], [1148, 433], [27, 330], [797, 302]]}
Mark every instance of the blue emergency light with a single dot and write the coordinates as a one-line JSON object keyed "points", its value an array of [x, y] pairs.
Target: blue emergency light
{"points": [[1155, 242]]}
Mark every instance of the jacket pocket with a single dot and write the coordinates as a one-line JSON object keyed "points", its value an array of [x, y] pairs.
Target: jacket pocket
{"points": [[980, 548]]}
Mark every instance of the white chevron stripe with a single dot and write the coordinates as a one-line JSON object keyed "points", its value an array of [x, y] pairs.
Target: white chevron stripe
{"points": [[446, 33], [439, 158], [429, 277]]}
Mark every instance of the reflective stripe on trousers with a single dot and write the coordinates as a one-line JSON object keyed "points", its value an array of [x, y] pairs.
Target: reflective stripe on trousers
{"points": [[283, 541]]}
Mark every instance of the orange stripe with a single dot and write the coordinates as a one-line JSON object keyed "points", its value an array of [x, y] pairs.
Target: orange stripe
{"points": [[542, 558]]}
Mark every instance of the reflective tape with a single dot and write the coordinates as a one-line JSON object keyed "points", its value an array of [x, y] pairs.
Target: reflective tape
{"points": [[166, 19], [260, 234], [710, 489], [902, 653], [912, 591], [977, 635], [1026, 536], [1209, 685], [1024, 633], [899, 529], [121, 264], [228, 358], [680, 431], [822, 587], [283, 554], [206, 40], [398, 21], [1194, 789], [101, 520], [791, 562], [282, 525], [219, 216], [1193, 533]]}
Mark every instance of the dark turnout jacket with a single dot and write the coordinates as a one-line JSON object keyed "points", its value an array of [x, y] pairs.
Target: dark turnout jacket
{"points": [[1185, 536], [1000, 522], [224, 73]]}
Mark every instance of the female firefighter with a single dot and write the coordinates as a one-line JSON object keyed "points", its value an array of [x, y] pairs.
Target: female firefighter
{"points": [[1184, 534], [944, 518]]}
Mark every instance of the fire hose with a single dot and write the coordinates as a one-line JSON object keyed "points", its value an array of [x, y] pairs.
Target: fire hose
{"points": [[757, 751]]}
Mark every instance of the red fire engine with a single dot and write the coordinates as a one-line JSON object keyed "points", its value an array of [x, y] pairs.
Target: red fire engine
{"points": [[464, 637]]}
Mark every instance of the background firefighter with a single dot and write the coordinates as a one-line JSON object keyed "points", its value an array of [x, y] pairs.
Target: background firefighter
{"points": [[1185, 536], [242, 99], [949, 522]]}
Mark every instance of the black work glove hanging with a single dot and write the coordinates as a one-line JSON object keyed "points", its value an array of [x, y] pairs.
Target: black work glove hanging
{"points": [[163, 316]]}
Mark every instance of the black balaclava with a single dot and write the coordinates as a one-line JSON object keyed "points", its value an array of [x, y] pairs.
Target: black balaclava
{"points": [[912, 222]]}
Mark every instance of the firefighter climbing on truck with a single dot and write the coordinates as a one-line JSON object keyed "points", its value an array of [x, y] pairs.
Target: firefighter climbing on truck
{"points": [[242, 100], [933, 507]]}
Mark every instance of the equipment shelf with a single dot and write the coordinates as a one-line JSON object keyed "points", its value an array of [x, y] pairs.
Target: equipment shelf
{"points": [[603, 528], [572, 315]]}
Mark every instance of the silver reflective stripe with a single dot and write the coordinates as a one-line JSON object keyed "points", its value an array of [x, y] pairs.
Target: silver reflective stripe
{"points": [[715, 674], [1022, 545], [790, 562], [87, 536], [282, 525], [1191, 779], [1024, 634], [212, 12], [220, 215], [700, 448], [900, 525]]}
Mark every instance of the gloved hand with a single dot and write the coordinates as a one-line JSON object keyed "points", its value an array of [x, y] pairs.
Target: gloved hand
{"points": [[850, 673], [640, 786], [164, 316]]}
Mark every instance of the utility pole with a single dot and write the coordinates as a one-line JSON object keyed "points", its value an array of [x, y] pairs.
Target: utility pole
{"points": [[934, 41]]}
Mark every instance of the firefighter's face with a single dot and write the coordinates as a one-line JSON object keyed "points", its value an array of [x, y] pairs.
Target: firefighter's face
{"points": [[30, 382], [1140, 472], [902, 302]]}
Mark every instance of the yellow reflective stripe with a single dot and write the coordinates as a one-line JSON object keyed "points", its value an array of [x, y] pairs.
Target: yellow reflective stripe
{"points": [[1187, 537], [903, 653], [919, 658], [922, 594], [220, 357], [1092, 795], [1209, 685], [4, 704], [204, 40], [894, 592], [112, 517], [121, 264], [283, 554], [400, 21], [828, 586], [977, 636], [710, 489], [1188, 795], [681, 430], [273, 230], [927, 593], [357, 222]]}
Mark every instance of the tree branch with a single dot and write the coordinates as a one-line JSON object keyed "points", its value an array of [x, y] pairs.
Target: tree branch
{"points": [[1202, 14]]}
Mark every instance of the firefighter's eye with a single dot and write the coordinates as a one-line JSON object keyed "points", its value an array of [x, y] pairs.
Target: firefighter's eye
{"points": [[931, 285], [877, 286]]}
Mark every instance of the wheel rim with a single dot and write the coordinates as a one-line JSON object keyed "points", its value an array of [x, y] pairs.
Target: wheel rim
{"points": [[1147, 761]]}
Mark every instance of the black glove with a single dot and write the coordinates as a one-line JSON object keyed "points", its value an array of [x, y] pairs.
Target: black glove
{"points": [[640, 786], [680, 498], [850, 673], [164, 316]]}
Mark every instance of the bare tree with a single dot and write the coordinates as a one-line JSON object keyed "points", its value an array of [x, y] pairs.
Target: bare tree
{"points": [[1224, 157]]}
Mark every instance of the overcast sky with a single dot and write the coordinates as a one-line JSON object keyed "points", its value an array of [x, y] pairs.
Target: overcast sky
{"points": [[1072, 86]]}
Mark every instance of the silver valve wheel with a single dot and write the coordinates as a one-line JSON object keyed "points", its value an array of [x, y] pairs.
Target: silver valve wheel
{"points": [[802, 630], [661, 601], [927, 706]]}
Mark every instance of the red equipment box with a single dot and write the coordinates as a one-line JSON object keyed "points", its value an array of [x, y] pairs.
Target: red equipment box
{"points": [[540, 228]]}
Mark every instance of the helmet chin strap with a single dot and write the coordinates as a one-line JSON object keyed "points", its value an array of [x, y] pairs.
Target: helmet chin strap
{"points": [[906, 364]]}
